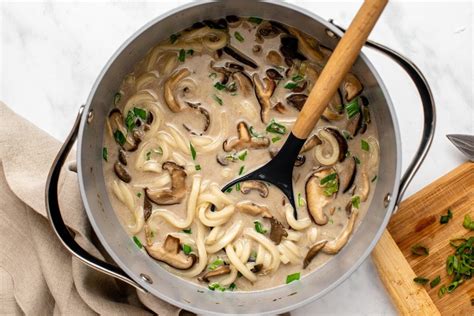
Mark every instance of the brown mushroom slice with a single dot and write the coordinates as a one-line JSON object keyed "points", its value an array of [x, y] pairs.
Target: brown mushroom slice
{"points": [[273, 74], [308, 46], [170, 254], [117, 125], [268, 30], [219, 271], [297, 100], [289, 49], [337, 147], [310, 143], [122, 157], [264, 90], [207, 121], [335, 110], [233, 20], [245, 140], [176, 193], [253, 209], [147, 208], [253, 185], [277, 231], [170, 88], [354, 124], [239, 56], [244, 83], [122, 172], [334, 246], [347, 171], [274, 58], [363, 186], [257, 268], [316, 197], [352, 87], [312, 252]]}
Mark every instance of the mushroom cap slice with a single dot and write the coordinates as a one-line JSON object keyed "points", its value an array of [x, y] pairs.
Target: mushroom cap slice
{"points": [[347, 171], [170, 254], [334, 246], [274, 58], [264, 90], [308, 46], [335, 110], [277, 231], [312, 252], [352, 87], [169, 90], [244, 83], [221, 270], [310, 143], [336, 141], [117, 123], [239, 56], [245, 140], [176, 193], [316, 199], [122, 172], [250, 185], [253, 209], [297, 100]]}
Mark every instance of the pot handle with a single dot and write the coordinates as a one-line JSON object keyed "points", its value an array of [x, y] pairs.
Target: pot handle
{"points": [[57, 222], [429, 111]]}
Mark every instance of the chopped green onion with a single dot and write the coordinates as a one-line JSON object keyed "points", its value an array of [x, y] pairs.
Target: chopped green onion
{"points": [[290, 85], [241, 170], [239, 37], [198, 167], [330, 183], [137, 242], [357, 160], [253, 133], [259, 228], [374, 178], [453, 285], [139, 194], [212, 75], [229, 190], [174, 38], [215, 264], [442, 290], [237, 187], [420, 250], [187, 231], [216, 286], [219, 86], [347, 135], [292, 277], [141, 113], [331, 221], [275, 139], [193, 151], [148, 155], [187, 249], [468, 223], [105, 153], [297, 78], [355, 201], [276, 128], [243, 155], [420, 280], [444, 219], [217, 99], [119, 137], [328, 178], [256, 20], [182, 55], [130, 120], [117, 98], [435, 281], [364, 145], [190, 52], [301, 200], [352, 108], [232, 287]]}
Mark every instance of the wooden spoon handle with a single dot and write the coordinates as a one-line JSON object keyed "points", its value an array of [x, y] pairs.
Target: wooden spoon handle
{"points": [[338, 65]]}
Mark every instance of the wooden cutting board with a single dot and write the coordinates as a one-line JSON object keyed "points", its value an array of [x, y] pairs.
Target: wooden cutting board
{"points": [[417, 221]]}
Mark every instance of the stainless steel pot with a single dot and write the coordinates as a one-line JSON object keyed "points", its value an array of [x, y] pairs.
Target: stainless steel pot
{"points": [[138, 269]]}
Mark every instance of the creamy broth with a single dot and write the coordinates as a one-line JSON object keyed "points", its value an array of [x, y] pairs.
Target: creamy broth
{"points": [[172, 141]]}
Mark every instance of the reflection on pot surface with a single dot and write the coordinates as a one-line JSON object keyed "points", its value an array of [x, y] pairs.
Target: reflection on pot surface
{"points": [[211, 103]]}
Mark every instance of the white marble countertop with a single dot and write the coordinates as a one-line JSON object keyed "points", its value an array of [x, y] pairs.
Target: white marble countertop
{"points": [[51, 53]]}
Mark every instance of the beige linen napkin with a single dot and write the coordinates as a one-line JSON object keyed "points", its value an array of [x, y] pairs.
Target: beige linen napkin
{"points": [[38, 276]]}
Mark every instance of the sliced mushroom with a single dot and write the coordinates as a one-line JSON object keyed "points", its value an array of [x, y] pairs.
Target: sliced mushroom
{"points": [[122, 157], [170, 88], [122, 172], [316, 199], [233, 20], [264, 91], [117, 124], [337, 147], [254, 185], [273, 74], [312, 252], [207, 121], [274, 58], [334, 246], [244, 83], [233, 67], [253, 209], [308, 46], [289, 48], [354, 124], [223, 159], [240, 57], [268, 30], [221, 270], [277, 231], [310, 143], [257, 268], [297, 100], [347, 171], [257, 49], [280, 108], [176, 193], [352, 87], [363, 186], [147, 208], [170, 253], [245, 140], [335, 109]]}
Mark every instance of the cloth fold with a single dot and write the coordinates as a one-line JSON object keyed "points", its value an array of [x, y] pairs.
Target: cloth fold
{"points": [[37, 274]]}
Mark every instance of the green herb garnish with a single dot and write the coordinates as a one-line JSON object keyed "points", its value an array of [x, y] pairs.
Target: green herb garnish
{"points": [[328, 178], [275, 139], [331, 221], [357, 160], [297, 78], [468, 223], [187, 231], [435, 281], [241, 170], [253, 133], [232, 287], [190, 52], [105, 153], [347, 135], [197, 167], [352, 108], [420, 280], [364, 145], [301, 201], [187, 249], [276, 128], [256, 20], [290, 85], [237, 187], [117, 98], [174, 38], [420, 250], [139, 194], [442, 290], [444, 219], [137, 242], [330, 183], [119, 137], [148, 155], [219, 86], [193, 151], [239, 37], [215, 264], [292, 277], [355, 201], [374, 178], [213, 75], [229, 190], [182, 55], [217, 99], [141, 113], [216, 286], [259, 228], [243, 155]]}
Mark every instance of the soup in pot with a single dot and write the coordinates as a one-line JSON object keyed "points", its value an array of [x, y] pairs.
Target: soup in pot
{"points": [[216, 101]]}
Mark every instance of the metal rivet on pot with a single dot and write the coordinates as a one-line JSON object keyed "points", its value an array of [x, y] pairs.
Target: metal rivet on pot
{"points": [[387, 199], [90, 116], [330, 33], [146, 278]]}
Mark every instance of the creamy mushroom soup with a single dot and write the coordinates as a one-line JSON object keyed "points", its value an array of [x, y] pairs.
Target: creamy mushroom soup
{"points": [[212, 103]]}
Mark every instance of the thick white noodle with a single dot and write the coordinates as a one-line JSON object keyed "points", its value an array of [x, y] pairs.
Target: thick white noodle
{"points": [[216, 218], [287, 254], [187, 164], [152, 162], [146, 80], [213, 235], [230, 235], [171, 218], [124, 194], [268, 244], [293, 222], [293, 236], [180, 140], [157, 182], [205, 144], [215, 196], [243, 248], [312, 234], [239, 265]]}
